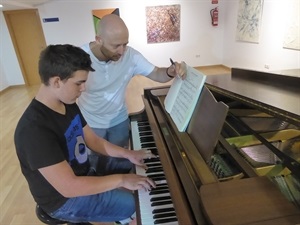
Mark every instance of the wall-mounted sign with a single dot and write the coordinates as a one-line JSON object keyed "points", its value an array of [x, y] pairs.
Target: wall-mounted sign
{"points": [[48, 20]]}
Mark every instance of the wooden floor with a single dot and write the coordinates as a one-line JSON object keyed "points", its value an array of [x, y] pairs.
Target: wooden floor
{"points": [[16, 204]]}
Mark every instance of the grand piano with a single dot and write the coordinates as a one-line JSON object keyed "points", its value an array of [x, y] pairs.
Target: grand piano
{"points": [[238, 161]]}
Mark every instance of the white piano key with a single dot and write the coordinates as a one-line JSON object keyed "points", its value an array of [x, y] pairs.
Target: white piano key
{"points": [[135, 135]]}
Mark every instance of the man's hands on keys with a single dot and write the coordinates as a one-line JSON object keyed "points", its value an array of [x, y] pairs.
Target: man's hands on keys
{"points": [[137, 157], [136, 182]]}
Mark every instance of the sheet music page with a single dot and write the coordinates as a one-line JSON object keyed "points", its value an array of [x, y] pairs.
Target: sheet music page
{"points": [[184, 102], [172, 94]]}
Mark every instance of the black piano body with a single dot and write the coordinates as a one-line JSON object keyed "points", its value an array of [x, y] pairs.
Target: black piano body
{"points": [[237, 167]]}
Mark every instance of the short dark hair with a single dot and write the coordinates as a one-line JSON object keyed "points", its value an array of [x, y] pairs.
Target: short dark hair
{"points": [[62, 60]]}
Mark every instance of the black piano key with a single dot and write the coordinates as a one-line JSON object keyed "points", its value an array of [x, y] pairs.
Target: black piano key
{"points": [[153, 150], [153, 175], [147, 139], [163, 210], [161, 203], [159, 190], [164, 215], [157, 177], [156, 192], [143, 123], [154, 169], [153, 164], [167, 220], [144, 128], [148, 145], [145, 133], [151, 160], [163, 198], [160, 187]]}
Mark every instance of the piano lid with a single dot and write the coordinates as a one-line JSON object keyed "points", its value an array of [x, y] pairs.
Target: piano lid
{"points": [[272, 93]]}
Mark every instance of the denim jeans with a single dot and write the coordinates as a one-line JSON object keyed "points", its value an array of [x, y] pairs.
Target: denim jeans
{"points": [[105, 165], [118, 135], [110, 206]]}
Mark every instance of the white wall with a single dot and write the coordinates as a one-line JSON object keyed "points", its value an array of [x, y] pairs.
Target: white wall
{"points": [[197, 35], [215, 45]]}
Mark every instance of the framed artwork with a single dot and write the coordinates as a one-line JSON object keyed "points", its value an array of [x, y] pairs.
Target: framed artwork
{"points": [[163, 23], [99, 13], [292, 37], [249, 20]]}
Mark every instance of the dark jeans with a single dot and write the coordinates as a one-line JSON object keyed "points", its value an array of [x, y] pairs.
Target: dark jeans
{"points": [[118, 135]]}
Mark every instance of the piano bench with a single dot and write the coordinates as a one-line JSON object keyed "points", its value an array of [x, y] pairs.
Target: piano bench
{"points": [[45, 218]]}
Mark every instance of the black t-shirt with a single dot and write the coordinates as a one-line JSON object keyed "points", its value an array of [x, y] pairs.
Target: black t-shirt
{"points": [[44, 137]]}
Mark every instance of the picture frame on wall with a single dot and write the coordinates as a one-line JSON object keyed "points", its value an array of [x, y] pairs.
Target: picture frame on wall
{"points": [[163, 23], [99, 13], [249, 20]]}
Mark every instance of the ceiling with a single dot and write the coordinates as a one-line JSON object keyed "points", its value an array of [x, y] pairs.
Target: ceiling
{"points": [[21, 4]]}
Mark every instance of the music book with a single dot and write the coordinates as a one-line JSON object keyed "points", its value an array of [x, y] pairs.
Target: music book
{"points": [[182, 97]]}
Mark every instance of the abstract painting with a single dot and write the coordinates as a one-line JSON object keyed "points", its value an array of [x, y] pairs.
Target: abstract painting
{"points": [[99, 13], [249, 20], [292, 37], [163, 23]]}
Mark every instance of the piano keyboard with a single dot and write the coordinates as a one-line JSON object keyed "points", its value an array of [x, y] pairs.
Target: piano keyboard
{"points": [[156, 206]]}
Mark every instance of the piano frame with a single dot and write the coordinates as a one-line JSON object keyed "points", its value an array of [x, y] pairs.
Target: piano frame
{"points": [[188, 174]]}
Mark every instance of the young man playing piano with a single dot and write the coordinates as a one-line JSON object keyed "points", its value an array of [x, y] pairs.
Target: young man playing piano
{"points": [[103, 103], [51, 141]]}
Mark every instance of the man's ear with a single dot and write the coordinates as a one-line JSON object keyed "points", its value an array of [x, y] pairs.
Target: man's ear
{"points": [[55, 81], [99, 39]]}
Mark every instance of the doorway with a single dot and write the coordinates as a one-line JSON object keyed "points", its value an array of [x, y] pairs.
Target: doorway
{"points": [[28, 38]]}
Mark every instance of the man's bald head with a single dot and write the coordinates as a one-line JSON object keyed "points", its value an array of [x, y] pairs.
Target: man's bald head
{"points": [[111, 26], [111, 39]]}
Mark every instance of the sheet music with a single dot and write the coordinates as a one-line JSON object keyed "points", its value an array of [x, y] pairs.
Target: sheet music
{"points": [[183, 96]]}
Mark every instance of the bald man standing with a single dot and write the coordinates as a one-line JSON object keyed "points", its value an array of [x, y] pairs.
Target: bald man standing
{"points": [[103, 103]]}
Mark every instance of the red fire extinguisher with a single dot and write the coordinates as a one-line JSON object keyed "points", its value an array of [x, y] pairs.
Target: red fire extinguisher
{"points": [[214, 13]]}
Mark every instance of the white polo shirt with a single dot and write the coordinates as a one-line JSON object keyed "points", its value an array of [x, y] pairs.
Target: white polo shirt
{"points": [[103, 103]]}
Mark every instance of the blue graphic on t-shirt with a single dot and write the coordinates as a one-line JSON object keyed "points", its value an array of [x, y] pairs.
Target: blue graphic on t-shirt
{"points": [[75, 142]]}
